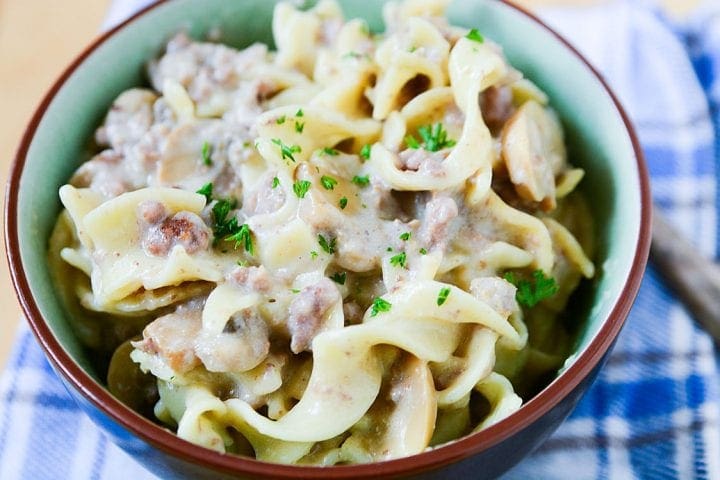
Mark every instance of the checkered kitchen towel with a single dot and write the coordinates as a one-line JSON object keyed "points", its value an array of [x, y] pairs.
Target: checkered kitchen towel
{"points": [[653, 413]]}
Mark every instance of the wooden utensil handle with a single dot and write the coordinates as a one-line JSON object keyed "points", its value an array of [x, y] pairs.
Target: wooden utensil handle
{"points": [[695, 279]]}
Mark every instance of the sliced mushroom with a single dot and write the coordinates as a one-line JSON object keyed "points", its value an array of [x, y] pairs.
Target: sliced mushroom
{"points": [[401, 421], [240, 347], [129, 383], [534, 152], [201, 152]]}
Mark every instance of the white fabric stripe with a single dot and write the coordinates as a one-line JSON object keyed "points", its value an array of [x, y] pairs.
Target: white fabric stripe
{"points": [[88, 436], [12, 460], [680, 340], [685, 190], [681, 138], [555, 465], [683, 444], [120, 10], [120, 466], [618, 458], [711, 437]]}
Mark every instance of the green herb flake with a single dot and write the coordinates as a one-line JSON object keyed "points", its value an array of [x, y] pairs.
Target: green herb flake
{"points": [[328, 182], [531, 292], [343, 203], [242, 263], [327, 246], [423, 251], [434, 138], [242, 237], [363, 181], [275, 182], [287, 151], [330, 151], [399, 260], [294, 290], [339, 278], [280, 120], [365, 151], [412, 142], [222, 225], [475, 36], [206, 153], [405, 236], [443, 295], [380, 305], [389, 249], [313, 254], [301, 187], [299, 126], [300, 113], [351, 54], [206, 190]]}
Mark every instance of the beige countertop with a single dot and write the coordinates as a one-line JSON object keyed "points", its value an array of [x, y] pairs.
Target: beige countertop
{"points": [[37, 40]]}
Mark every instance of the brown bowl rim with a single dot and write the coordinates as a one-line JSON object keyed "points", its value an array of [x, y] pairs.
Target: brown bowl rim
{"points": [[173, 445]]}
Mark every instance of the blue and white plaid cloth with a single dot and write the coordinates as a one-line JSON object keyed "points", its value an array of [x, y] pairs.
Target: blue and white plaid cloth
{"points": [[654, 411]]}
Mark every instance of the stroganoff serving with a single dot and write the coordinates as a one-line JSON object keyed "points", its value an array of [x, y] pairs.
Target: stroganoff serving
{"points": [[349, 250]]}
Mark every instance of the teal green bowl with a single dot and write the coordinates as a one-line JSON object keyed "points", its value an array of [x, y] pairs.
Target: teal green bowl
{"points": [[601, 140]]}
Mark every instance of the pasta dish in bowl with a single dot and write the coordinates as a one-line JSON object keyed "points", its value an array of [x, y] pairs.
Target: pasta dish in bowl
{"points": [[353, 247]]}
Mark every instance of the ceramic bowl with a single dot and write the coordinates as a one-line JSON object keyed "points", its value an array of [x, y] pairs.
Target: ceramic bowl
{"points": [[600, 138]]}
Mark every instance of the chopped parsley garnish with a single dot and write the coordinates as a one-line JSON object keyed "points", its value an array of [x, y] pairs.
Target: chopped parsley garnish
{"points": [[328, 247], [287, 151], [475, 36], [330, 151], [206, 153], [339, 278], [242, 263], [294, 290], [343, 203], [399, 260], [242, 237], [412, 142], [300, 113], [405, 236], [224, 226], [276, 182], [280, 120], [531, 292], [299, 126], [361, 181], [328, 182], [380, 305], [365, 151], [389, 249], [434, 138], [423, 251], [301, 187], [313, 254], [206, 190], [443, 295]]}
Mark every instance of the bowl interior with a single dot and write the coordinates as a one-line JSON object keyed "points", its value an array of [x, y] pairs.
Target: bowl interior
{"points": [[597, 137]]}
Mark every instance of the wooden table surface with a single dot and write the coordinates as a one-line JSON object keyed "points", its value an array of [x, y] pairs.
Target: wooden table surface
{"points": [[37, 40]]}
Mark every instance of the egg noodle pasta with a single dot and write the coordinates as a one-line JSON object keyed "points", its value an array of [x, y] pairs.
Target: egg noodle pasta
{"points": [[351, 249]]}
